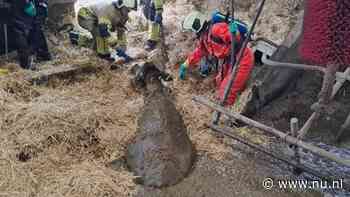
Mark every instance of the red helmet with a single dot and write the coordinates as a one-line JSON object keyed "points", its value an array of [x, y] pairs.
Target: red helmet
{"points": [[219, 40]]}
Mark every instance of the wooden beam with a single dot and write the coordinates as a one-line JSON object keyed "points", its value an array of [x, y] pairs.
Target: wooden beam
{"points": [[292, 140], [343, 128], [62, 72], [229, 133], [268, 62]]}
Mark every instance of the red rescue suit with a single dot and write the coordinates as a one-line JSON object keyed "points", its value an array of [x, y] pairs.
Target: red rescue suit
{"points": [[216, 42]]}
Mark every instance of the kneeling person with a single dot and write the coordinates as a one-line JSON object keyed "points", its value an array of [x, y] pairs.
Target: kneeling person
{"points": [[214, 41], [103, 17]]}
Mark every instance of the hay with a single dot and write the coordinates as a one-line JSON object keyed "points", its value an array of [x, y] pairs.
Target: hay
{"points": [[71, 132]]}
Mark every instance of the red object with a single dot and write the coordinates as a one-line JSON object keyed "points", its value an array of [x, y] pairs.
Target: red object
{"points": [[243, 74], [326, 32], [219, 40], [206, 47]]}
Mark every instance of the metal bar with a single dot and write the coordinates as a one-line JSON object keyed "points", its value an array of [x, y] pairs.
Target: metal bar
{"points": [[228, 132], [6, 42], [236, 67], [268, 62], [233, 48], [292, 140]]}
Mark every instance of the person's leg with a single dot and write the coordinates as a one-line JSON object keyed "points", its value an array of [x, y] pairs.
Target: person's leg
{"points": [[87, 20], [153, 35], [153, 28], [122, 41], [23, 48], [243, 74], [39, 42]]}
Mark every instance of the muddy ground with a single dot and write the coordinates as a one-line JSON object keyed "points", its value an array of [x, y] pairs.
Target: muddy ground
{"points": [[63, 139]]}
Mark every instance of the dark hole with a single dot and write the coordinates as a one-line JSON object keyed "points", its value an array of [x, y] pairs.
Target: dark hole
{"points": [[258, 58], [23, 156]]}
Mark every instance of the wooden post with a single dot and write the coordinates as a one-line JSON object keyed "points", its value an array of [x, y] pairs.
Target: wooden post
{"points": [[292, 140], [294, 128], [325, 98], [343, 128]]}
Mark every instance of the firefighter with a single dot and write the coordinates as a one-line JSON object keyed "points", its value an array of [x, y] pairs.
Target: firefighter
{"points": [[214, 40], [103, 17], [27, 19], [153, 10]]}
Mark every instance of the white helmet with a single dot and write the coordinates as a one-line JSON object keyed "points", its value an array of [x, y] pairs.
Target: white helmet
{"points": [[195, 21], [132, 4]]}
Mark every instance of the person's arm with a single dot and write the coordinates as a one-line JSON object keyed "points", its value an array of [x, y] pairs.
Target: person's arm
{"points": [[195, 57]]}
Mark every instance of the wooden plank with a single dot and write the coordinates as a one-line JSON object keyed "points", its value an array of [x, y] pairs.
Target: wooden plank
{"points": [[62, 72], [290, 139]]}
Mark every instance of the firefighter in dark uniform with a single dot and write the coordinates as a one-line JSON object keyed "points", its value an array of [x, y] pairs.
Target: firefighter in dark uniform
{"points": [[27, 19], [4, 21]]}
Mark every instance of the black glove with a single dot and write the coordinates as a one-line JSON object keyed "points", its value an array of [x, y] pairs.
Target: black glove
{"points": [[42, 9], [103, 29], [158, 19]]}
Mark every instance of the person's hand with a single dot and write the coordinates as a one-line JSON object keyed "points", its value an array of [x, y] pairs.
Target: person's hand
{"points": [[121, 53], [103, 30], [183, 71], [158, 18], [43, 9], [204, 70]]}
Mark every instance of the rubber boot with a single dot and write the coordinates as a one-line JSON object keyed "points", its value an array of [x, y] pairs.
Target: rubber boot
{"points": [[106, 57], [41, 57]]}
